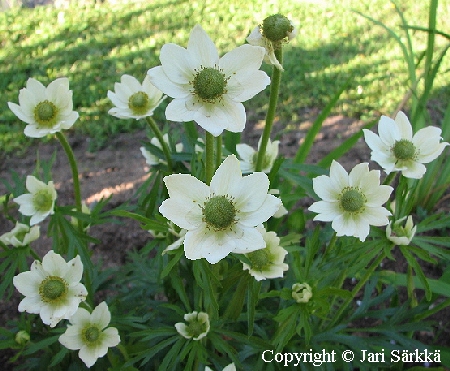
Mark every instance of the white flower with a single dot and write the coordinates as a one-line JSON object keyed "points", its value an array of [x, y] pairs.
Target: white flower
{"points": [[89, 332], [197, 328], [220, 218], [396, 149], [208, 89], [52, 288], [352, 202], [85, 210], [267, 262], [249, 156], [230, 367], [150, 158], [20, 235], [40, 202], [301, 292], [133, 99], [45, 110], [401, 234]]}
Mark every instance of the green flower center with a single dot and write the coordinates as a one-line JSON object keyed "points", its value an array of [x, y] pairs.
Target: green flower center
{"points": [[43, 200], [260, 260], [352, 200], [139, 103], [45, 114], [52, 288], [209, 84], [196, 328], [276, 27], [219, 213], [404, 150], [91, 334]]}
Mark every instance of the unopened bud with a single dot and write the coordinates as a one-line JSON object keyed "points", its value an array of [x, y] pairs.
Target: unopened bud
{"points": [[277, 27], [22, 337]]}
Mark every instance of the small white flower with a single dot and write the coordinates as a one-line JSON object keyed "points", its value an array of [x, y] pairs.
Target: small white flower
{"points": [[220, 218], [396, 149], [230, 367], [52, 288], [89, 332], [133, 99], [208, 89], [301, 292], [150, 158], [401, 234], [197, 327], [85, 210], [46, 110], [352, 202], [20, 235], [40, 202], [249, 156], [267, 262]]}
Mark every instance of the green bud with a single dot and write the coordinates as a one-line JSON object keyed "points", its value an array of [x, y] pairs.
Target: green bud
{"points": [[276, 28], [22, 337]]}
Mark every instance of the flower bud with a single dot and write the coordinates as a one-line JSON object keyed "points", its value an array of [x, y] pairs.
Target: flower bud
{"points": [[399, 233], [277, 27], [301, 292], [22, 337]]}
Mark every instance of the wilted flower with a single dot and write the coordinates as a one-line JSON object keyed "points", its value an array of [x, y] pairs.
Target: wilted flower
{"points": [[401, 233], [46, 110], [89, 332], [150, 158], [396, 149], [249, 156], [52, 288], [197, 327], [352, 202], [20, 235], [301, 292], [40, 202], [220, 218], [133, 100], [208, 89]]}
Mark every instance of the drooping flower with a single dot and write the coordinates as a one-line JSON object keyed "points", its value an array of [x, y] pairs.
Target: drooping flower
{"points": [[230, 367], [249, 156], [52, 288], [89, 332], [197, 326], [396, 149], [132, 99], [271, 34], [301, 292], [46, 110], [208, 89], [401, 233], [150, 158], [220, 218], [267, 262], [40, 202], [20, 235], [352, 202]]}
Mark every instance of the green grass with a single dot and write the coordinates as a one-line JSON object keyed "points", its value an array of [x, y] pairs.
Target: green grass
{"points": [[94, 46]]}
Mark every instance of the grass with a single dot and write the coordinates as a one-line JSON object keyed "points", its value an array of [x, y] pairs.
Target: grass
{"points": [[95, 45]]}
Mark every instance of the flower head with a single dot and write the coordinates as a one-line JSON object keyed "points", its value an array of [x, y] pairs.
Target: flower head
{"points": [[249, 156], [89, 332], [267, 262], [197, 325], [20, 235], [220, 218], [301, 292], [132, 99], [352, 202], [401, 233], [46, 110], [150, 158], [396, 149], [52, 288], [40, 202], [208, 89]]}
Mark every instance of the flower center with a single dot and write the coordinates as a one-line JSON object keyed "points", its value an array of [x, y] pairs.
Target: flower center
{"points": [[91, 334], [52, 288], [209, 84], [260, 260], [219, 213], [352, 200], [196, 328], [43, 200], [404, 150], [139, 103], [45, 114], [276, 27]]}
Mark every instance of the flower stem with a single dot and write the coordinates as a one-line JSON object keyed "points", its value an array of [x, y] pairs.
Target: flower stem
{"points": [[218, 151], [274, 90], [209, 163], [159, 135], [388, 180]]}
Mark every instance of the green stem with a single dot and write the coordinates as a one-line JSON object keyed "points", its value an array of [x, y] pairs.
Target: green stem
{"points": [[388, 180], [330, 246], [209, 162], [159, 135], [274, 90], [218, 151]]}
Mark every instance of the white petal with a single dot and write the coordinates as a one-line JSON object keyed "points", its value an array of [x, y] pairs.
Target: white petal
{"points": [[33, 184], [377, 216], [358, 173], [327, 211], [54, 264], [89, 355], [163, 83], [30, 304], [110, 337], [27, 283], [101, 315], [338, 176], [187, 188], [72, 338], [17, 110], [202, 50], [268, 208], [415, 170], [25, 202], [403, 125], [374, 142], [245, 84], [325, 188], [241, 58], [252, 192], [184, 214], [179, 110], [227, 177], [251, 240], [388, 131], [74, 271], [176, 63]]}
